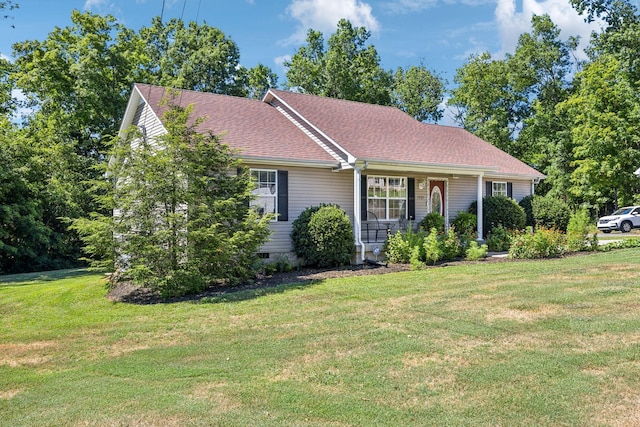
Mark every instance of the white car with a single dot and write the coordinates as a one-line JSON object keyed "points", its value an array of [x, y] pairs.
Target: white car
{"points": [[624, 219]]}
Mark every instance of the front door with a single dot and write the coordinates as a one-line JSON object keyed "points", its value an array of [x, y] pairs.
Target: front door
{"points": [[436, 197]]}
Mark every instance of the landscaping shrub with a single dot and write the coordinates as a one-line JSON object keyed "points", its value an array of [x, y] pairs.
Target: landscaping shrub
{"points": [[621, 244], [418, 248], [465, 223], [303, 246], [399, 246], [432, 247], [498, 239], [450, 245], [475, 252], [500, 211], [578, 230], [551, 212], [525, 203], [544, 243], [433, 220], [331, 232]]}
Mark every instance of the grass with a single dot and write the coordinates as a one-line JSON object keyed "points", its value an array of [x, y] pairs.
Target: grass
{"points": [[545, 343]]}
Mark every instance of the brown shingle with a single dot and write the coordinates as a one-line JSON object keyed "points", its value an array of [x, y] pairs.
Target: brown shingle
{"points": [[373, 132], [253, 126]]}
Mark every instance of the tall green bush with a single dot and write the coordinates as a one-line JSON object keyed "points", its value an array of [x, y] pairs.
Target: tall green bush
{"points": [[301, 241], [182, 221], [525, 203], [323, 236], [551, 212], [465, 223], [332, 233], [500, 211]]}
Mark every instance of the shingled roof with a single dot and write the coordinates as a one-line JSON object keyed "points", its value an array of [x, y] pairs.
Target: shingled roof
{"points": [[309, 129], [252, 126], [387, 134]]}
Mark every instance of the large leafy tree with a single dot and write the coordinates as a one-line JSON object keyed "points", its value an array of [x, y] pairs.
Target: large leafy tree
{"points": [[76, 83], [605, 111], [193, 56], [419, 92], [347, 68], [545, 65], [181, 221], [79, 78], [510, 102], [487, 101]]}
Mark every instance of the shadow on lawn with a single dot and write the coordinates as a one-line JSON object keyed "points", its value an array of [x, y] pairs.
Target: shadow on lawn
{"points": [[23, 279], [217, 295], [262, 286]]}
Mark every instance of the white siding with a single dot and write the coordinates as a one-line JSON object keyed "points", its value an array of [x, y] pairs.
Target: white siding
{"points": [[521, 189], [462, 192], [307, 187], [145, 116]]}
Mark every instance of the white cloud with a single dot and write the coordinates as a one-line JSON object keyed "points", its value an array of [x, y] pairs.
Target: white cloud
{"points": [[280, 60], [323, 15], [95, 4], [512, 23]]}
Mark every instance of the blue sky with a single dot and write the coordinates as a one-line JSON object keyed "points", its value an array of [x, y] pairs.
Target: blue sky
{"points": [[439, 33]]}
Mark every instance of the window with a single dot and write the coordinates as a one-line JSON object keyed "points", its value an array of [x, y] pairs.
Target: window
{"points": [[499, 189], [436, 200], [266, 190], [387, 196]]}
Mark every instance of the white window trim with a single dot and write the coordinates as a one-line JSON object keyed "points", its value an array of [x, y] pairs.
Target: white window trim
{"points": [[387, 198], [275, 194], [493, 188]]}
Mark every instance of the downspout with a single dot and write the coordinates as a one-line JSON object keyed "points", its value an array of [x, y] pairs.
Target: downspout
{"points": [[479, 210], [357, 209]]}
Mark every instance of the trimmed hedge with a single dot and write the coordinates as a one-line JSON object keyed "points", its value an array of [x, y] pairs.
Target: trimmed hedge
{"points": [[500, 211], [323, 236], [551, 212]]}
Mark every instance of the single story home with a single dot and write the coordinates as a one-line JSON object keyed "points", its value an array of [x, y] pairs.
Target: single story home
{"points": [[380, 165]]}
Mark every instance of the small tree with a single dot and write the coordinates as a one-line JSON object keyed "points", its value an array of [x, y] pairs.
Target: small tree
{"points": [[181, 221]]}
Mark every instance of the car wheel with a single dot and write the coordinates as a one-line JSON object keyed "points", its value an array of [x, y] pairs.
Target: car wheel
{"points": [[606, 231], [626, 227]]}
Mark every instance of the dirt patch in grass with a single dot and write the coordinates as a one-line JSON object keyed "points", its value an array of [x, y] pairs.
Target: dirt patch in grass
{"points": [[30, 354], [9, 394]]}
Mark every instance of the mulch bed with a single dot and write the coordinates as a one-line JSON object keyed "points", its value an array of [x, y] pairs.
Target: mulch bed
{"points": [[129, 293]]}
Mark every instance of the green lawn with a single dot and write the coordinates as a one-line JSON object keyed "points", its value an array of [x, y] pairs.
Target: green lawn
{"points": [[545, 343]]}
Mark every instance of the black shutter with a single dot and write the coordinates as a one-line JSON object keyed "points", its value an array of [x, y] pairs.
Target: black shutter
{"points": [[510, 189], [363, 197], [411, 200], [489, 189], [283, 196]]}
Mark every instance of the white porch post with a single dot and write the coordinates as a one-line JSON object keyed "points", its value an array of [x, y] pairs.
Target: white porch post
{"points": [[480, 225], [357, 209]]}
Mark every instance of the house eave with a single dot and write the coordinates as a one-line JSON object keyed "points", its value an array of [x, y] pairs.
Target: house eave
{"points": [[422, 167], [275, 161], [538, 177]]}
